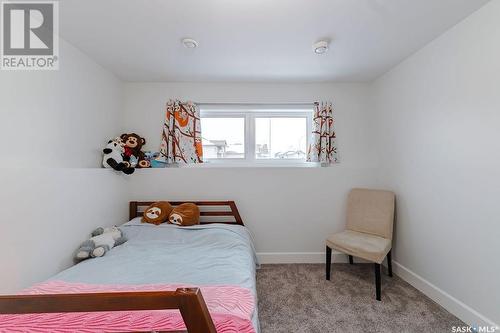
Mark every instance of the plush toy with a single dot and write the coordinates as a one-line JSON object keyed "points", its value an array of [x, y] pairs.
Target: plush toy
{"points": [[144, 163], [185, 214], [150, 157], [102, 240], [157, 213], [158, 163], [133, 144], [112, 157], [133, 161]]}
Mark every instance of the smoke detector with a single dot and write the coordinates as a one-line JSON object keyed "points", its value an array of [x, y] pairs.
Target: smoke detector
{"points": [[320, 47], [189, 43]]}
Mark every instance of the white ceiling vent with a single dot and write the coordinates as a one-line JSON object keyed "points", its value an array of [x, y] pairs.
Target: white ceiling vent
{"points": [[320, 47], [189, 43]]}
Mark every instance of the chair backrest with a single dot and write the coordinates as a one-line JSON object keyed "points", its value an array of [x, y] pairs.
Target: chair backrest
{"points": [[371, 212]]}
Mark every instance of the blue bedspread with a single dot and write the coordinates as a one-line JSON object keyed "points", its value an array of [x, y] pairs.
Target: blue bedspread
{"points": [[211, 254]]}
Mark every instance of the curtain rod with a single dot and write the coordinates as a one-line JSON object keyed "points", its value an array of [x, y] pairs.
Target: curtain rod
{"points": [[263, 104]]}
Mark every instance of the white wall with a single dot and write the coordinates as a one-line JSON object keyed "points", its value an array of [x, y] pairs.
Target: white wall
{"points": [[59, 119], [145, 102], [438, 120], [53, 125], [288, 209]]}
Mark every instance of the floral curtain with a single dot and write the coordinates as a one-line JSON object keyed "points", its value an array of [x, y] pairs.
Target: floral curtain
{"points": [[323, 147], [181, 136]]}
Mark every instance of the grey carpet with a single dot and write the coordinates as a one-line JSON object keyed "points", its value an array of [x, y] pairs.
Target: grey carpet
{"points": [[297, 298]]}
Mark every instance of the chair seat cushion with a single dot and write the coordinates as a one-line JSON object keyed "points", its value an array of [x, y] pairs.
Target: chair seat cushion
{"points": [[358, 244]]}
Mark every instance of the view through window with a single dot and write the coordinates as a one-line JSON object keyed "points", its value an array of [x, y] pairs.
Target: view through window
{"points": [[223, 137], [281, 138], [253, 135]]}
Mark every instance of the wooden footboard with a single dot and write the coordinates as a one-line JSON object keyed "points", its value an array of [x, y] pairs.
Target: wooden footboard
{"points": [[189, 301]]}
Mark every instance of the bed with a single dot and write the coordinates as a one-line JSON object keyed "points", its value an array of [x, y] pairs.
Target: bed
{"points": [[163, 267]]}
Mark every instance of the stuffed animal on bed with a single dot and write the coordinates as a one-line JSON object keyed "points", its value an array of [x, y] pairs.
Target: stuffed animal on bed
{"points": [[185, 214], [102, 240], [157, 213]]}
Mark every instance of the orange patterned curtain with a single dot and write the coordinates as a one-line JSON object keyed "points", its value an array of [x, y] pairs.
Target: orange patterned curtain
{"points": [[181, 136], [323, 147]]}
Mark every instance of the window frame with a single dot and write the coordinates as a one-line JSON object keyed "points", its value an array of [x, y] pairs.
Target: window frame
{"points": [[249, 114]]}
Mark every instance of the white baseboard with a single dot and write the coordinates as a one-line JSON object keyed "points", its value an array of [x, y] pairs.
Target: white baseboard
{"points": [[450, 303], [291, 257], [301, 257]]}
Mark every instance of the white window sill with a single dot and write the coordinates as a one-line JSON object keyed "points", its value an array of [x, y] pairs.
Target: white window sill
{"points": [[244, 164]]}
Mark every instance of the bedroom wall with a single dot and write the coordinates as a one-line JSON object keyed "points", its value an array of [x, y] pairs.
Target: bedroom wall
{"points": [[289, 210], [52, 191], [438, 118]]}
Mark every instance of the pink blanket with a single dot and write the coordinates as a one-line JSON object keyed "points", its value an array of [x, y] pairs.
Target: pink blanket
{"points": [[231, 308]]}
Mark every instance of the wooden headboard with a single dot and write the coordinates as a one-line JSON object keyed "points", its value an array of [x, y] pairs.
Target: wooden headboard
{"points": [[211, 211]]}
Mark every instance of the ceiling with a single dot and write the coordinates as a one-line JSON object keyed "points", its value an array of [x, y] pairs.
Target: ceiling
{"points": [[255, 40]]}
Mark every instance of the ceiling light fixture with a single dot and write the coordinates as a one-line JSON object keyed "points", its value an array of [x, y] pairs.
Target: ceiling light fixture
{"points": [[189, 43], [320, 47]]}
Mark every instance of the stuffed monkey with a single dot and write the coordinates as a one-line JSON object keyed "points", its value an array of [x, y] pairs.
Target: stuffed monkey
{"points": [[133, 144]]}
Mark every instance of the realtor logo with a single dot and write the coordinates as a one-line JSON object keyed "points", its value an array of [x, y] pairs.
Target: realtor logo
{"points": [[29, 36]]}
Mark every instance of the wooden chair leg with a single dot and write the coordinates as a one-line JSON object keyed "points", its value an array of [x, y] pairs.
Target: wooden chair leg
{"points": [[389, 263], [328, 262], [377, 280], [351, 260]]}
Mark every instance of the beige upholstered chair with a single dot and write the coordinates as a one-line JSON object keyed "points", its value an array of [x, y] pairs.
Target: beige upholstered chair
{"points": [[368, 234]]}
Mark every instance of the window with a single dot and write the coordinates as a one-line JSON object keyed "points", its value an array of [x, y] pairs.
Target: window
{"points": [[280, 137], [223, 137], [255, 134]]}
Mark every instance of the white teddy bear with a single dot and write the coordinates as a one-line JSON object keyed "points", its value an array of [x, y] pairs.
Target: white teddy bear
{"points": [[112, 157], [102, 240]]}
